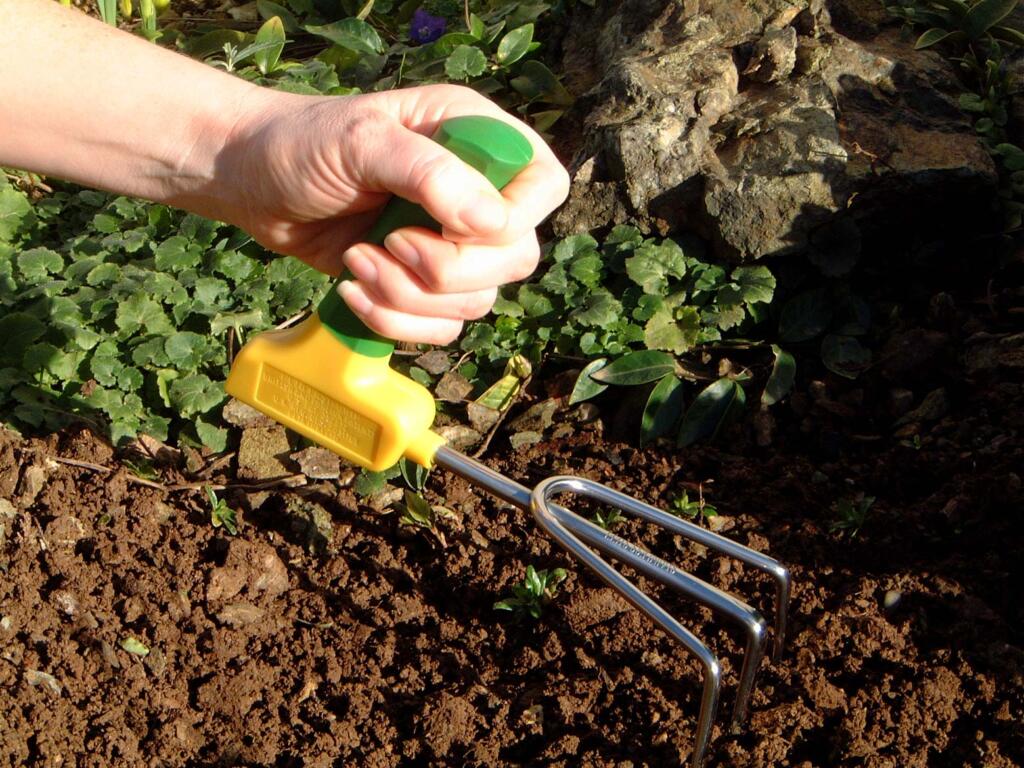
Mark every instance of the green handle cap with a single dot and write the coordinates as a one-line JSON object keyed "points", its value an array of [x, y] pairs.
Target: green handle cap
{"points": [[494, 148]]}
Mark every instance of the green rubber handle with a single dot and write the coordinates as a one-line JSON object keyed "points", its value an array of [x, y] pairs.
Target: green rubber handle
{"points": [[492, 147]]}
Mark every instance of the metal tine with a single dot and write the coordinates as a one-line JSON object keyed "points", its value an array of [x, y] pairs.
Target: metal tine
{"points": [[748, 618], [568, 528], [710, 539], [553, 519]]}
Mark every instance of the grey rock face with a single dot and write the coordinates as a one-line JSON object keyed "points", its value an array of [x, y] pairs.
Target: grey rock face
{"points": [[767, 126]]}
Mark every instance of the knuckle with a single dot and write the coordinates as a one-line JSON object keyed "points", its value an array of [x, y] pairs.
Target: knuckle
{"points": [[432, 174], [439, 276]]}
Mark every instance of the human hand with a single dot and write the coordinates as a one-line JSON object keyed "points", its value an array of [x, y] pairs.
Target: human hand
{"points": [[312, 175]]}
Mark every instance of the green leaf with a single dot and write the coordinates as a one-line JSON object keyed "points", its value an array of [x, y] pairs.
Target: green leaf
{"points": [[664, 406], [713, 408], [213, 437], [931, 37], [103, 274], [585, 386], [573, 246], [465, 62], [185, 349], [844, 355], [805, 316], [17, 332], [665, 332], [194, 394], [599, 309], [1013, 156], [48, 358], [268, 10], [36, 263], [651, 266], [636, 368], [134, 647], [587, 269], [353, 34], [781, 380], [15, 212], [985, 14], [534, 301], [141, 312], [537, 82], [177, 253], [271, 34], [756, 284], [514, 45], [368, 483]]}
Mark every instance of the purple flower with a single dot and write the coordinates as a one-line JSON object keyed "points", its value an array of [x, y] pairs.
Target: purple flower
{"points": [[425, 28]]}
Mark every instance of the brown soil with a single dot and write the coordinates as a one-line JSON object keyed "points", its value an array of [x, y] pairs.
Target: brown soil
{"points": [[326, 634]]}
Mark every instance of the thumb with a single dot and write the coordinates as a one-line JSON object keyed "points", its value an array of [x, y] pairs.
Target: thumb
{"points": [[392, 158]]}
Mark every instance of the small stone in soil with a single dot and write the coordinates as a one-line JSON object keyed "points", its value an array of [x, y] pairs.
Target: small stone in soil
{"points": [[481, 417], [520, 440], [261, 452], [238, 615], [318, 463]]}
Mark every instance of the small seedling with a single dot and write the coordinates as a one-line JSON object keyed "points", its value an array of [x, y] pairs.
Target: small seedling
{"points": [[221, 513], [418, 513], [852, 515], [682, 506], [608, 519], [530, 595]]}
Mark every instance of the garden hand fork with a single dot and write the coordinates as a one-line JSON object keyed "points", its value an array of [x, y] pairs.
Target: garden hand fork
{"points": [[328, 378]]}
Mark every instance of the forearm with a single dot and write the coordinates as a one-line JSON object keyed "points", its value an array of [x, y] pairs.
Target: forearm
{"points": [[83, 102]]}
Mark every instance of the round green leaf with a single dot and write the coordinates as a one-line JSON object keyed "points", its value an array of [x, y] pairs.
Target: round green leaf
{"points": [[465, 62], [805, 316]]}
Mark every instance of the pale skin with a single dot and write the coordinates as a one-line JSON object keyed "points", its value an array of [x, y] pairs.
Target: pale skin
{"points": [[304, 175]]}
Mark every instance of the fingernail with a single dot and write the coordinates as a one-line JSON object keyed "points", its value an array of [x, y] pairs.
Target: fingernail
{"points": [[486, 214], [354, 297], [360, 265], [400, 247]]}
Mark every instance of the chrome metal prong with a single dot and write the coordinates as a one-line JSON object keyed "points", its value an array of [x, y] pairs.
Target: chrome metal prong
{"points": [[572, 530]]}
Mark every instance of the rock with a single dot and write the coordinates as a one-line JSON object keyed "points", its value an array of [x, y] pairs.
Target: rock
{"points": [[318, 463], [311, 521], [64, 532], [774, 56], [459, 436], [35, 678], [7, 515], [453, 388], [449, 720], [913, 355], [481, 417], [900, 401], [814, 126], [520, 440], [934, 406], [31, 483], [238, 615], [435, 362], [537, 417], [244, 415], [262, 453], [249, 565]]}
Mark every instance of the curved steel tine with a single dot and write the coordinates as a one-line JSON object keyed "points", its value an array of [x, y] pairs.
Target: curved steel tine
{"points": [[753, 558], [554, 524], [754, 626]]}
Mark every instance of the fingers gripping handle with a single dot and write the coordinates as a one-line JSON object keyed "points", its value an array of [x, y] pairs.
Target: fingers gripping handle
{"points": [[494, 148]]}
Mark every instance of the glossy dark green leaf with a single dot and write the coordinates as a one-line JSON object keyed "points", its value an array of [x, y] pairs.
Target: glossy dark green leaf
{"points": [[985, 14], [514, 45], [585, 386], [664, 406], [717, 405], [931, 37], [351, 33], [636, 368], [272, 38], [268, 10], [781, 380]]}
